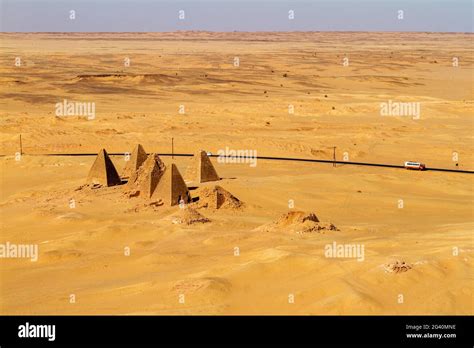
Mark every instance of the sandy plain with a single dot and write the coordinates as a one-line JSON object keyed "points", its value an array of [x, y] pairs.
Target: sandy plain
{"points": [[81, 250]]}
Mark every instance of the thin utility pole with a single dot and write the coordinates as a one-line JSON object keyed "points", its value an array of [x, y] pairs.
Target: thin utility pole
{"points": [[334, 156], [21, 147]]}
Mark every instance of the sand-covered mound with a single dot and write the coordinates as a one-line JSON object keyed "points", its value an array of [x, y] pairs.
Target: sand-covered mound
{"points": [[189, 216], [299, 222], [296, 217], [215, 285], [397, 267], [215, 197]]}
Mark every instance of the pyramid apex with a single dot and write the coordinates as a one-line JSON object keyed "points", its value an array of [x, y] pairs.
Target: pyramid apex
{"points": [[139, 146]]}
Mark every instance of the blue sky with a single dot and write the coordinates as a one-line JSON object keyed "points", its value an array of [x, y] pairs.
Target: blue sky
{"points": [[236, 15]]}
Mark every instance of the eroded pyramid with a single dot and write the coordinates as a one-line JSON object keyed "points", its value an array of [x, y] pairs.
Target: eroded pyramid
{"points": [[189, 216], [171, 187], [103, 171], [215, 197], [299, 222], [137, 158], [144, 180], [201, 169]]}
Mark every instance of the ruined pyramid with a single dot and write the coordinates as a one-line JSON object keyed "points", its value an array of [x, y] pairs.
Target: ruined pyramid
{"points": [[137, 158], [201, 169], [171, 187], [143, 181], [299, 222], [215, 197], [189, 216], [103, 171]]}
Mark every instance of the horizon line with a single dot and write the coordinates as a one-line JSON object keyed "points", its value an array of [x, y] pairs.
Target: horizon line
{"points": [[235, 31]]}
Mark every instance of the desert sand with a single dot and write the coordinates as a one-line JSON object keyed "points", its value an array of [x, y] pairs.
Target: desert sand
{"points": [[119, 255]]}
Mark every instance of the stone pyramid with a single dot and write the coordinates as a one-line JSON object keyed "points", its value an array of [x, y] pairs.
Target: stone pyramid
{"points": [[137, 158], [171, 187], [103, 171], [144, 180], [215, 197], [201, 169]]}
